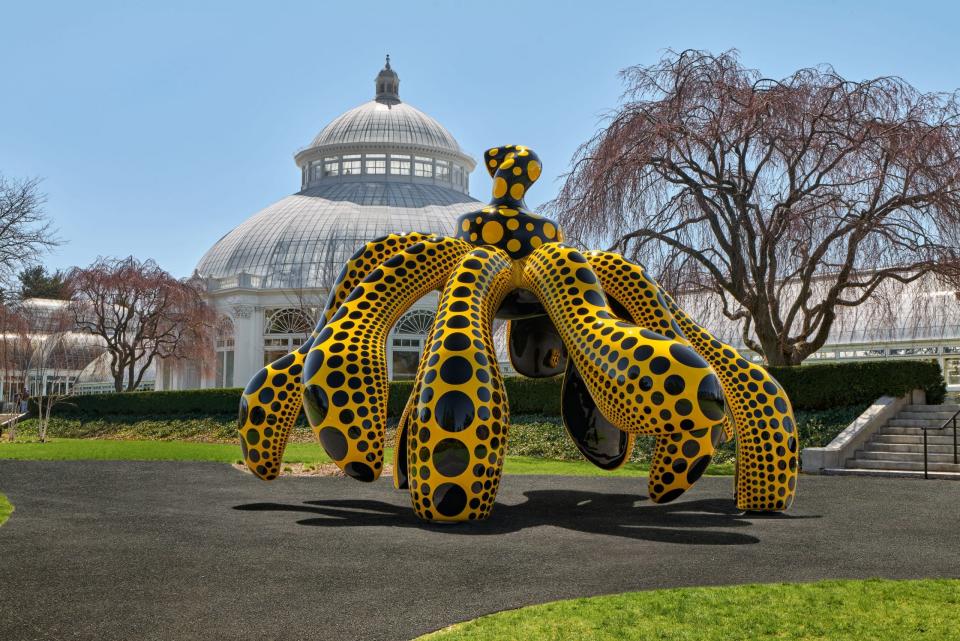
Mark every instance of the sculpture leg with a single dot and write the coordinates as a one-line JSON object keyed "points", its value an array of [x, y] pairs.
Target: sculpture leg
{"points": [[345, 372], [762, 416], [458, 430], [641, 381], [273, 398]]}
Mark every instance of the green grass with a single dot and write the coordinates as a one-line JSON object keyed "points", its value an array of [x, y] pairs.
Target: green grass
{"points": [[872, 610], [68, 449], [6, 509]]}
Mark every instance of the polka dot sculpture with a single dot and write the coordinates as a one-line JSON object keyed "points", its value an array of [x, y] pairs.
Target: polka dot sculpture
{"points": [[633, 363]]}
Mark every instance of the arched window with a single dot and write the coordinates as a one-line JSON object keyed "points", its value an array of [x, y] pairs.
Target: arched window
{"points": [[288, 321], [416, 322], [409, 335], [284, 330]]}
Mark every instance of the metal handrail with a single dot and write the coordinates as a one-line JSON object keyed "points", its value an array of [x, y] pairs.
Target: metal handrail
{"points": [[952, 420]]}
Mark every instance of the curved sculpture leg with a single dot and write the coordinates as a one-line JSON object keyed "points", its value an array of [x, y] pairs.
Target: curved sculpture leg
{"points": [[641, 381], [536, 349], [273, 398], [767, 447], [762, 416], [345, 372], [400, 476], [458, 433], [633, 374], [598, 439], [401, 479]]}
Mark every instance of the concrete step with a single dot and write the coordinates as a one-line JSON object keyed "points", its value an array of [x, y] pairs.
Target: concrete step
{"points": [[946, 407], [897, 421], [926, 416], [889, 455], [915, 466], [933, 438], [913, 430], [901, 474], [909, 448]]}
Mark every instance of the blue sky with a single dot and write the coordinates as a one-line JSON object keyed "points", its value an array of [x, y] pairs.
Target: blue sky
{"points": [[157, 127]]}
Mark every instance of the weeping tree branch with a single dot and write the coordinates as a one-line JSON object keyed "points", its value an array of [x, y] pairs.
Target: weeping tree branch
{"points": [[792, 197]]}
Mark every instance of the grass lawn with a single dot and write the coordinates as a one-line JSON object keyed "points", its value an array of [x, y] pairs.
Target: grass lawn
{"points": [[872, 610], [6, 509], [63, 449]]}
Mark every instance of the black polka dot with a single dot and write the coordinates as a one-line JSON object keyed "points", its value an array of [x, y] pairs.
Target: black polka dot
{"points": [[710, 398], [698, 468], [690, 449], [451, 457], [454, 411], [334, 442], [456, 342], [256, 382], [359, 471], [686, 356], [586, 275], [456, 370], [674, 384], [671, 495], [659, 365], [449, 499]]}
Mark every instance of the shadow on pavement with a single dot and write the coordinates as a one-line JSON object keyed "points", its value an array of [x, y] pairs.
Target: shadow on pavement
{"points": [[688, 522]]}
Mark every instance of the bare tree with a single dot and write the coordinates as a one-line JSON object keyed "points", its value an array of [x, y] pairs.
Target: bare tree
{"points": [[142, 313], [57, 353], [788, 199], [16, 350], [25, 231]]}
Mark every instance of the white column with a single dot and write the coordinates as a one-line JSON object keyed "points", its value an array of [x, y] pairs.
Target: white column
{"points": [[248, 343]]}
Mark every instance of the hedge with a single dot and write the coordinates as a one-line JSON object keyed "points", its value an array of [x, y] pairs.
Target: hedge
{"points": [[824, 385], [811, 387]]}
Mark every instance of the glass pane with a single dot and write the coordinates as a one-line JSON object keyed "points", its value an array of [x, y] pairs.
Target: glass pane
{"points": [[405, 364]]}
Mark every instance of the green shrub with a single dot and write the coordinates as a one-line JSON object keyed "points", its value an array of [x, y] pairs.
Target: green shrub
{"points": [[810, 387], [826, 385]]}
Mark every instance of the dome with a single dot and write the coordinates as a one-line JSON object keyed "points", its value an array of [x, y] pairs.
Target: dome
{"points": [[303, 240], [383, 167], [380, 122]]}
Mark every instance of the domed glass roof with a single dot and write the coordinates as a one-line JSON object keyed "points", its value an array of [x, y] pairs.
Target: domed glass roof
{"points": [[380, 122], [383, 167], [304, 240]]}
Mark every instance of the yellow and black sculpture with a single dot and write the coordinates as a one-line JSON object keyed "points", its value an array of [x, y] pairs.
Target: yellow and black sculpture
{"points": [[633, 363]]}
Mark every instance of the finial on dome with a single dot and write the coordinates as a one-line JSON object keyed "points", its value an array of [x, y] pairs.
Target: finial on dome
{"points": [[388, 85]]}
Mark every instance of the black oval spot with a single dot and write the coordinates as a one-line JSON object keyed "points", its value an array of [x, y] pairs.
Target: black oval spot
{"points": [[456, 342], [257, 415], [454, 411], [586, 275], [710, 398], [315, 404], [690, 449], [659, 365], [451, 457], [686, 356], [449, 499], [256, 382], [334, 442], [456, 370], [359, 471], [698, 468], [674, 384]]}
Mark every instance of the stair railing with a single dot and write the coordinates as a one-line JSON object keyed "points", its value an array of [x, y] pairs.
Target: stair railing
{"points": [[950, 421]]}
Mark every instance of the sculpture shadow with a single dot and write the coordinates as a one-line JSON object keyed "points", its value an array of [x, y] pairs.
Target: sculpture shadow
{"points": [[697, 522]]}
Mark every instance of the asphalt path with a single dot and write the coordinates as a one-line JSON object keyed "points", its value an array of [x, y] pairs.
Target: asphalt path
{"points": [[137, 550]]}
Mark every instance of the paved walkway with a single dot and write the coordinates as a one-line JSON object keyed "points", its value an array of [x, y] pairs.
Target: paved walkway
{"points": [[110, 550]]}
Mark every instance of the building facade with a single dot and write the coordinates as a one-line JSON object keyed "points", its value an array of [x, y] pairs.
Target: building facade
{"points": [[382, 167]]}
